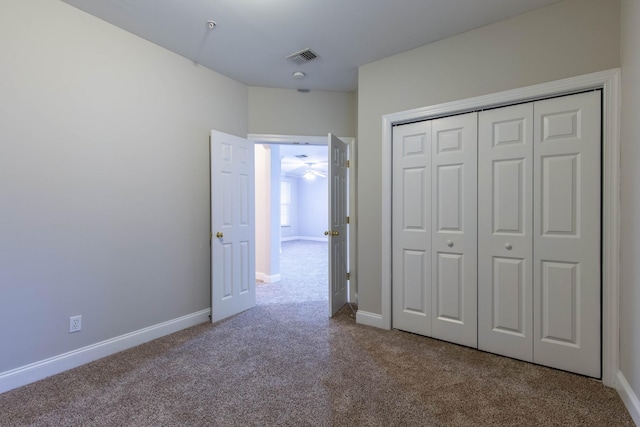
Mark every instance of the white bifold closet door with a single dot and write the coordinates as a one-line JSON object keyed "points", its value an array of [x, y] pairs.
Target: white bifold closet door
{"points": [[505, 231], [566, 230], [411, 244], [454, 204], [539, 232], [434, 247], [496, 231]]}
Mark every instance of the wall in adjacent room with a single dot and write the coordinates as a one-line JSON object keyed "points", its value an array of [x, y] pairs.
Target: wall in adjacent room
{"points": [[263, 211], [313, 207]]}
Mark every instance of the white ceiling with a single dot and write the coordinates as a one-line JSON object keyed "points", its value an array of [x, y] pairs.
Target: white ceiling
{"points": [[253, 37]]}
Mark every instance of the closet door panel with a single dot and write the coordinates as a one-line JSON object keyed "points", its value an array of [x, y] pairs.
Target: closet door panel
{"points": [[567, 283], [411, 241], [454, 229], [505, 225], [449, 287], [508, 288]]}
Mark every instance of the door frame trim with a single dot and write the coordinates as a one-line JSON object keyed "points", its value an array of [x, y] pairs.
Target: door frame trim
{"points": [[609, 82]]}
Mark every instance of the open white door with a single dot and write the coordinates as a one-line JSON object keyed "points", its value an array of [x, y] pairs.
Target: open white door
{"points": [[337, 233], [233, 287]]}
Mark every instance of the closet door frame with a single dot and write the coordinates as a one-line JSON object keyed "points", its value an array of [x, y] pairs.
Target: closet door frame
{"points": [[609, 82]]}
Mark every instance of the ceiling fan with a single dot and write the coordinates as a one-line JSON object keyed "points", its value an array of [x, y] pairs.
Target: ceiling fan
{"points": [[304, 165], [311, 173]]}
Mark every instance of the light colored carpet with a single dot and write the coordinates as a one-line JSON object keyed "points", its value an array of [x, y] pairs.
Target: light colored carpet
{"points": [[287, 364], [304, 270]]}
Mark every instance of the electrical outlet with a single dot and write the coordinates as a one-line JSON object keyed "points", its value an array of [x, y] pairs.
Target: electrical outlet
{"points": [[75, 324]]}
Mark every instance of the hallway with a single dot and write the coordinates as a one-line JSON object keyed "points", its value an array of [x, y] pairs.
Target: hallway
{"points": [[304, 267]]}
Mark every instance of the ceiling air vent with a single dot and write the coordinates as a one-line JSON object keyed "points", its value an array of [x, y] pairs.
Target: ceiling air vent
{"points": [[301, 57], [302, 156]]}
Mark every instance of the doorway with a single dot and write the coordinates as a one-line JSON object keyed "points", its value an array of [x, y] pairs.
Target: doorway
{"points": [[234, 209], [292, 196], [336, 224]]}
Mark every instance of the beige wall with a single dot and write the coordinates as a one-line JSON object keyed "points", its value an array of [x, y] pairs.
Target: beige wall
{"points": [[263, 205], [630, 196], [267, 186], [289, 112], [104, 179], [566, 39]]}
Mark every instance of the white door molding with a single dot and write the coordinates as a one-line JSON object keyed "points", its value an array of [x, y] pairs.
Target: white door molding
{"points": [[609, 82]]}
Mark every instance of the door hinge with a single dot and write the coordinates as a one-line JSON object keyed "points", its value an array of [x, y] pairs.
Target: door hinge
{"points": [[348, 163], [210, 235], [348, 276], [347, 220]]}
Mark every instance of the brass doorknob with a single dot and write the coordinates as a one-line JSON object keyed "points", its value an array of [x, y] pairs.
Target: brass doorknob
{"points": [[335, 233], [219, 235]]}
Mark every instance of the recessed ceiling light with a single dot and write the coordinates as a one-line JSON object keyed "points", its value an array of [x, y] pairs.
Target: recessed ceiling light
{"points": [[298, 75]]}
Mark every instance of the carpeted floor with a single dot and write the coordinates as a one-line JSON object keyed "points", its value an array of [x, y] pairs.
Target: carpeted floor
{"points": [[286, 364], [303, 266]]}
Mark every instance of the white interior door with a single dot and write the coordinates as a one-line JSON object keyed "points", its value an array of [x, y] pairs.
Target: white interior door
{"points": [[411, 242], [505, 227], [454, 209], [232, 225], [566, 254], [338, 232]]}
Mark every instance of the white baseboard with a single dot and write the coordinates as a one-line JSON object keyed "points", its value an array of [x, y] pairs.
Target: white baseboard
{"points": [[369, 319], [310, 238], [629, 397], [54, 365], [268, 278]]}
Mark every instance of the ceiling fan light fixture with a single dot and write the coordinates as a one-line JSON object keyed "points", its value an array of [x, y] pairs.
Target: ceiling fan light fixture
{"points": [[309, 175]]}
